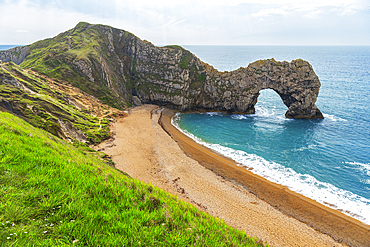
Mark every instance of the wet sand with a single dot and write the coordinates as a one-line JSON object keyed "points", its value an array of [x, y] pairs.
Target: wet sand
{"points": [[213, 183]]}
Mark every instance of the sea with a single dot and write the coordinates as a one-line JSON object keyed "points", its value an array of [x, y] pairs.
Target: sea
{"points": [[327, 160], [6, 47]]}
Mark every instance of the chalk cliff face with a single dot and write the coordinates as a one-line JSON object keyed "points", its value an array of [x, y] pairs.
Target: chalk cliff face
{"points": [[114, 65]]}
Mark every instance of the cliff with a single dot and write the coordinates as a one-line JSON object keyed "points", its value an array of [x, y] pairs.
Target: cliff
{"points": [[15, 55], [56, 107], [118, 67]]}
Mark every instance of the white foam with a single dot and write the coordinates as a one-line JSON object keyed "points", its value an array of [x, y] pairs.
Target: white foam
{"points": [[263, 111], [325, 193], [367, 181], [312, 146], [364, 168], [334, 118], [238, 116], [213, 113], [271, 112]]}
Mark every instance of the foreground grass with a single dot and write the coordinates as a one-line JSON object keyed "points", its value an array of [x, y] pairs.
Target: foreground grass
{"points": [[54, 194]]}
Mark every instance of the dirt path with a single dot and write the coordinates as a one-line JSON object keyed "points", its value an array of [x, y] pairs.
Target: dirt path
{"points": [[146, 152]]}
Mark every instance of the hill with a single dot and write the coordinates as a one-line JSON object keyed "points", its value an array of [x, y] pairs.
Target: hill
{"points": [[119, 69], [54, 105], [56, 194]]}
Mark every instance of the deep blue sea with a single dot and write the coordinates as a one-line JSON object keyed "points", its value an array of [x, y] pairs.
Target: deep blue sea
{"points": [[6, 47], [327, 160]]}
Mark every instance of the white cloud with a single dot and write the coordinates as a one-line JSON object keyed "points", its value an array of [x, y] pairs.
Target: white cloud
{"points": [[306, 3], [186, 22], [32, 23], [348, 11], [271, 12], [314, 14], [173, 22]]}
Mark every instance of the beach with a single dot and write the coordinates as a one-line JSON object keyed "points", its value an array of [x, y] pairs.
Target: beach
{"points": [[147, 147]]}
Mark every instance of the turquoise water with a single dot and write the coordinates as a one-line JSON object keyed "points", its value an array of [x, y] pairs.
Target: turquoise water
{"points": [[327, 160]]}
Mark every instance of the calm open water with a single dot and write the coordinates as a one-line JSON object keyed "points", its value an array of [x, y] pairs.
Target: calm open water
{"points": [[6, 47], [327, 160]]}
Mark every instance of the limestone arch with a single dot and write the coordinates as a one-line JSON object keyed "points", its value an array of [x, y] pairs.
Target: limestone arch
{"points": [[296, 83], [237, 91]]}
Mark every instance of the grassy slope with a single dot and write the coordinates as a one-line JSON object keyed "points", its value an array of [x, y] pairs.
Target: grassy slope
{"points": [[54, 58], [54, 194], [49, 103]]}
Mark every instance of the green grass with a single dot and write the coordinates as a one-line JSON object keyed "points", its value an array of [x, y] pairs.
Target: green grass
{"points": [[55, 194], [185, 59], [113, 85], [44, 109], [52, 57]]}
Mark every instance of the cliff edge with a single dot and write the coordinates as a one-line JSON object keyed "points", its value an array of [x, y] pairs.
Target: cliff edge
{"points": [[118, 67]]}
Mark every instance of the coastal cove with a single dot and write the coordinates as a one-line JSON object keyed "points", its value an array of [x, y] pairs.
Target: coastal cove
{"points": [[325, 160], [338, 225], [272, 140], [141, 148]]}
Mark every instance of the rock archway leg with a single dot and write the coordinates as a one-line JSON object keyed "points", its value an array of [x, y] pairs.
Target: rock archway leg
{"points": [[305, 109]]}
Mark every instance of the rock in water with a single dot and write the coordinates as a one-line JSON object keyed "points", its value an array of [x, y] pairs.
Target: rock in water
{"points": [[114, 65], [237, 91]]}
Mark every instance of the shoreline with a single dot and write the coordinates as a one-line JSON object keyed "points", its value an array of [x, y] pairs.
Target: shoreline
{"points": [[329, 221], [141, 148]]}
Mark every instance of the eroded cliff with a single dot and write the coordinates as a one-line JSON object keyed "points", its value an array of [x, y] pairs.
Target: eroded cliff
{"points": [[114, 65]]}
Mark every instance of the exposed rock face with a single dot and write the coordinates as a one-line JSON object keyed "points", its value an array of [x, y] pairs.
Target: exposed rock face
{"points": [[126, 66], [137, 101], [295, 82], [70, 131], [6, 78], [15, 55], [83, 69], [164, 79]]}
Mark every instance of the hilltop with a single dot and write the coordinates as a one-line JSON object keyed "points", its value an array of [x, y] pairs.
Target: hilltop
{"points": [[120, 69]]}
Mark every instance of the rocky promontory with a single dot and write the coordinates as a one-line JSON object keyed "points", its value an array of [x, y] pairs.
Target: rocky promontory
{"points": [[118, 67]]}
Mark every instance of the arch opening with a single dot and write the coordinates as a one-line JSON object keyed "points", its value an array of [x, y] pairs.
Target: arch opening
{"points": [[270, 102]]}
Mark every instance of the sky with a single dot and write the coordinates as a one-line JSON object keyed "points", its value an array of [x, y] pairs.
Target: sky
{"points": [[195, 22]]}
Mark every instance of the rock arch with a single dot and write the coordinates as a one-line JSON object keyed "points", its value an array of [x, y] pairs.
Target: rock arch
{"points": [[237, 91], [174, 77]]}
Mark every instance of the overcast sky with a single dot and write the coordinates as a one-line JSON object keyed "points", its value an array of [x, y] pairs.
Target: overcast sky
{"points": [[202, 22]]}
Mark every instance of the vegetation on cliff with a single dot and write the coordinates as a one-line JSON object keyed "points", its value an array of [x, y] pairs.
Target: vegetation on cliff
{"points": [[114, 65], [54, 106], [56, 194], [71, 55], [72, 85]]}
